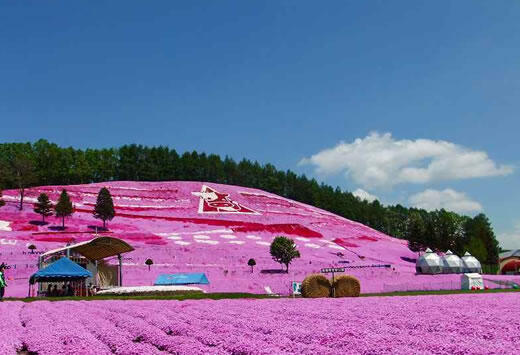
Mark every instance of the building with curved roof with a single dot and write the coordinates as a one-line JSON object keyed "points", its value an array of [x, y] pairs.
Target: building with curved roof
{"points": [[509, 262]]}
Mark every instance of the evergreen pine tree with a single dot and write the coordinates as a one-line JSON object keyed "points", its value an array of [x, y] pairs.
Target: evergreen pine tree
{"points": [[64, 207], [43, 206], [104, 209], [480, 228]]}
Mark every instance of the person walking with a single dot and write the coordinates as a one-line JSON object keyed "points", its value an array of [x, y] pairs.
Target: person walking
{"points": [[3, 283]]}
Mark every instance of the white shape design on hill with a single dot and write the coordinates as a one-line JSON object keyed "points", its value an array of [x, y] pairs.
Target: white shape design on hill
{"points": [[17, 198], [4, 226], [132, 198], [302, 239], [263, 243], [146, 206], [201, 237], [253, 237], [212, 242], [212, 201], [336, 247], [182, 243], [327, 241], [166, 234], [228, 236], [175, 237], [236, 242], [310, 245], [213, 231]]}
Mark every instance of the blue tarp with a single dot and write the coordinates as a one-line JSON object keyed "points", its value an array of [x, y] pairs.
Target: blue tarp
{"points": [[181, 279], [60, 270]]}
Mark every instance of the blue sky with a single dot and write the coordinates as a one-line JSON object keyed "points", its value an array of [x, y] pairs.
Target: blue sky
{"points": [[284, 82]]}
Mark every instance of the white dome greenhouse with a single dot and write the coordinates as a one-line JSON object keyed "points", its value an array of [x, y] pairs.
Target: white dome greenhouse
{"points": [[451, 263], [429, 263], [471, 264]]}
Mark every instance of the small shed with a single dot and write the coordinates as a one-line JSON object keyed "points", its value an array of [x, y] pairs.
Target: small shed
{"points": [[91, 253], [471, 264], [181, 279], [62, 270], [451, 263], [429, 263], [472, 281]]}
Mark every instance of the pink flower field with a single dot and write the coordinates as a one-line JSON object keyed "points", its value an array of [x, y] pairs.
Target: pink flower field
{"points": [[454, 324]]}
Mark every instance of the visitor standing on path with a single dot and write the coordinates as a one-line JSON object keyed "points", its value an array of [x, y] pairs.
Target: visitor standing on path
{"points": [[3, 284]]}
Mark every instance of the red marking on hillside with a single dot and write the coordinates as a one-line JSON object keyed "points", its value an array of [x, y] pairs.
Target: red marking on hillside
{"points": [[19, 226], [367, 238], [68, 232], [55, 239], [237, 226], [286, 228], [344, 243]]}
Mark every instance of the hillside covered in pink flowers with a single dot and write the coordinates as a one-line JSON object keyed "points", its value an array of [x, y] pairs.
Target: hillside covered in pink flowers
{"points": [[210, 228]]}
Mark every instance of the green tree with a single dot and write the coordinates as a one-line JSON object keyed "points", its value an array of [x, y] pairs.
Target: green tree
{"points": [[477, 248], [18, 168], [43, 206], [283, 251], [415, 232], [64, 207], [149, 262], [104, 209], [251, 263], [480, 228]]}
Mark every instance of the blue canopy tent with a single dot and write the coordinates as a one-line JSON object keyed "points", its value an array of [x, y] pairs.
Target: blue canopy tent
{"points": [[61, 270], [181, 279]]}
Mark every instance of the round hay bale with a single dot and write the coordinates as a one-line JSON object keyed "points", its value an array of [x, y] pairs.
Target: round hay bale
{"points": [[315, 286], [346, 286]]}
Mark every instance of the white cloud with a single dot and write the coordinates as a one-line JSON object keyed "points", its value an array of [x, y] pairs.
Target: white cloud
{"points": [[364, 195], [379, 160], [511, 239], [448, 199]]}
